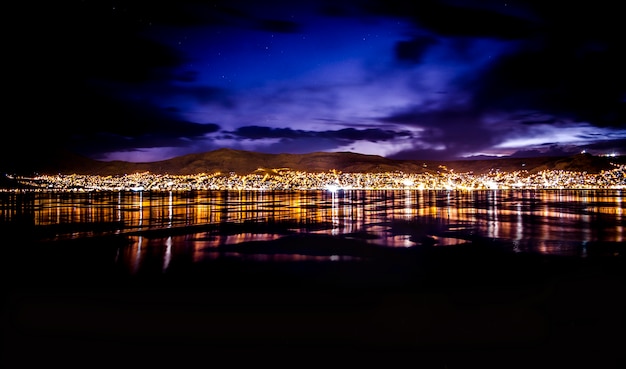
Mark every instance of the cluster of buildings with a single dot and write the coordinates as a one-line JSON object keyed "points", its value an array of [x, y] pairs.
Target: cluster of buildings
{"points": [[285, 179]]}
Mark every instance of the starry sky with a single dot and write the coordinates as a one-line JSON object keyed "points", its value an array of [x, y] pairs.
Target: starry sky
{"points": [[436, 79]]}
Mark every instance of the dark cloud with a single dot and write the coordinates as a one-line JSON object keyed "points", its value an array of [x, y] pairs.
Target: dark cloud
{"points": [[99, 144], [206, 95], [334, 10], [534, 118], [567, 60], [128, 60], [347, 134], [106, 123], [600, 19], [571, 67], [106, 40], [124, 74], [547, 150], [138, 13], [342, 8], [563, 80], [607, 146], [423, 154], [174, 134], [233, 14], [259, 132], [452, 20], [122, 118], [445, 133], [455, 19], [413, 50], [371, 134], [187, 76], [277, 25], [301, 145]]}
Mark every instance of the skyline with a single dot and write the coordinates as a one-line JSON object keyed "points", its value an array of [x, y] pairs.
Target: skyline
{"points": [[137, 81], [333, 181]]}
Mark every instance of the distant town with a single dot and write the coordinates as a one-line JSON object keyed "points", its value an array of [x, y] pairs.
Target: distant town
{"points": [[333, 180]]}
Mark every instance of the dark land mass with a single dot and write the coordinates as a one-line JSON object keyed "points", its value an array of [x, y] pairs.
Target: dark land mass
{"points": [[246, 162]]}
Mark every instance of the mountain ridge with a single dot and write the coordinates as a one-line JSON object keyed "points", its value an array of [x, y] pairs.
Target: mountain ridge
{"points": [[227, 160]]}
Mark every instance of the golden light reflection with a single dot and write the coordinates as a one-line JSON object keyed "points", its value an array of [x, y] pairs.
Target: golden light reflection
{"points": [[547, 221]]}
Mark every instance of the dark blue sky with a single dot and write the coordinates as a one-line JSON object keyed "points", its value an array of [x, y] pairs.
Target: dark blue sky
{"points": [[139, 81]]}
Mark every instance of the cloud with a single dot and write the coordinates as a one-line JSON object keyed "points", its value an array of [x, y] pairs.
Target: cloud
{"points": [[279, 26], [608, 146], [412, 51], [570, 67], [451, 78], [567, 81], [167, 134], [564, 61], [108, 41], [457, 19], [151, 154], [346, 134], [106, 124], [546, 150], [445, 132]]}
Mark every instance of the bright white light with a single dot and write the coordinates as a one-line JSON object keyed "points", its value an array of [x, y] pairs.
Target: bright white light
{"points": [[332, 187], [408, 182], [491, 185]]}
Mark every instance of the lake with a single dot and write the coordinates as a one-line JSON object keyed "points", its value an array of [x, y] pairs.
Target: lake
{"points": [[443, 278], [563, 222]]}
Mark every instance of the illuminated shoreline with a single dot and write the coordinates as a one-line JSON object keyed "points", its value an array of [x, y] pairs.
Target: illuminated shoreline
{"points": [[331, 181]]}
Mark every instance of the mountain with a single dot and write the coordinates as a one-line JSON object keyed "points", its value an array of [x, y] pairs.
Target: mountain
{"points": [[244, 162]]}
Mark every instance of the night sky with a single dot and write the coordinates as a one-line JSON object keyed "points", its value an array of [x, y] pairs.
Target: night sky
{"points": [[145, 81]]}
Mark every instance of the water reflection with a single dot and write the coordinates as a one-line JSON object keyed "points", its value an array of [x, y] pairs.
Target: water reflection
{"points": [[562, 222]]}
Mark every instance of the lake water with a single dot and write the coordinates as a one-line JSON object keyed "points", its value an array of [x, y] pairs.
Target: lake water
{"points": [[491, 279], [204, 225]]}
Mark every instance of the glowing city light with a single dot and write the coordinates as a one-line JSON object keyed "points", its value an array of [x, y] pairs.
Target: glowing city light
{"points": [[332, 188], [333, 182]]}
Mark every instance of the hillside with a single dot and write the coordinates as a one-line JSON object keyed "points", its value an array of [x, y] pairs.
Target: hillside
{"points": [[244, 162]]}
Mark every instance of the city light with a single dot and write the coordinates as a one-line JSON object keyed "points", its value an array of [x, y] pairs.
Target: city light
{"points": [[333, 181], [332, 187]]}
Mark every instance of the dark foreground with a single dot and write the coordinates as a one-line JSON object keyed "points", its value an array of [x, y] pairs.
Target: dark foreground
{"points": [[468, 306]]}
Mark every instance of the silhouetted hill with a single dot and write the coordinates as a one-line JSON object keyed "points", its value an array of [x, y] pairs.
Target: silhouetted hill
{"points": [[578, 163], [244, 162]]}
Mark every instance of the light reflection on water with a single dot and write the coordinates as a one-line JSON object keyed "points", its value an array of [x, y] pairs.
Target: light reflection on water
{"points": [[562, 222]]}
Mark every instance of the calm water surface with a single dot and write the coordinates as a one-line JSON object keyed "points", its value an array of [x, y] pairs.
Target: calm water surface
{"points": [[240, 277], [200, 225]]}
